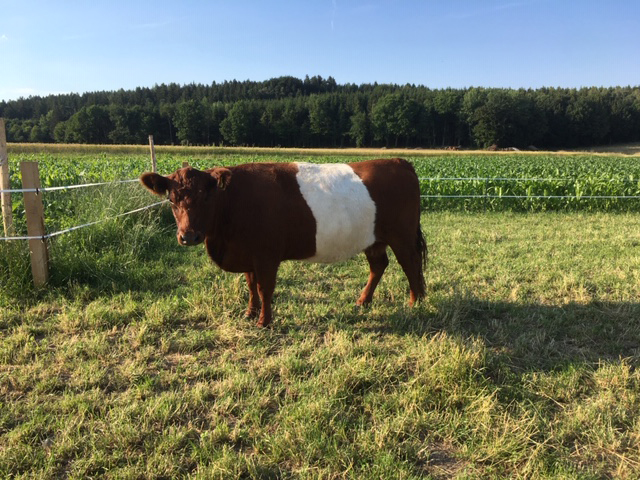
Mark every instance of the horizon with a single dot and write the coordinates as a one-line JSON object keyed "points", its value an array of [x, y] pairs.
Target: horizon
{"points": [[214, 82], [530, 44]]}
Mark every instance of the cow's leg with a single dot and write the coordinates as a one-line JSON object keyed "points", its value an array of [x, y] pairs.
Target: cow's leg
{"points": [[254, 300], [410, 260], [378, 261], [266, 282]]}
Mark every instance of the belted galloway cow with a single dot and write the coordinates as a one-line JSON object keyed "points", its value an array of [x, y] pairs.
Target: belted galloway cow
{"points": [[252, 217]]}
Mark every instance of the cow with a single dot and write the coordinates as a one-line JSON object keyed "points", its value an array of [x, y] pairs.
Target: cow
{"points": [[252, 217]]}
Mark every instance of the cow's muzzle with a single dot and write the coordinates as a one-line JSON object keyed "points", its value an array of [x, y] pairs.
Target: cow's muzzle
{"points": [[190, 238]]}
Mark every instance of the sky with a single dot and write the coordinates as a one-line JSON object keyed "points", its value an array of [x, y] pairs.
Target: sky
{"points": [[55, 46]]}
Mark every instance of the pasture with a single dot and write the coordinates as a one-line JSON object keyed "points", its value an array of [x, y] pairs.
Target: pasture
{"points": [[137, 361]]}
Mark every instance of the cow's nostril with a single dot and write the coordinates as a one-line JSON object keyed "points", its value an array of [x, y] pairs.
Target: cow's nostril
{"points": [[190, 238]]}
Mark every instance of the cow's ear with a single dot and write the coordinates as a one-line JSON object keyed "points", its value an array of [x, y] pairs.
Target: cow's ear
{"points": [[156, 183], [222, 176]]}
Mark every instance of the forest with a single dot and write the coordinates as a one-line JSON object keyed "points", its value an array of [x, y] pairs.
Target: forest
{"points": [[318, 112]]}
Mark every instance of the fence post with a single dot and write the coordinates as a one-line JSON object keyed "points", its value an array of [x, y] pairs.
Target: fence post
{"points": [[153, 154], [35, 223], [185, 164], [5, 184]]}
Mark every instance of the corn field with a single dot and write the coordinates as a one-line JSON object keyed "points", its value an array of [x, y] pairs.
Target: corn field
{"points": [[459, 182], [530, 182]]}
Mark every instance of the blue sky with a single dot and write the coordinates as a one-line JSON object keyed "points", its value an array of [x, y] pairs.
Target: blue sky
{"points": [[77, 46]]}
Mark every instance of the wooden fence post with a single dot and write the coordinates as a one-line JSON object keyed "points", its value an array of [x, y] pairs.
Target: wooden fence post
{"points": [[35, 223], [5, 184], [153, 154]]}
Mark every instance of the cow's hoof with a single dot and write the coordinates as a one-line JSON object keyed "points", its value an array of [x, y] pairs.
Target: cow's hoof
{"points": [[363, 302]]}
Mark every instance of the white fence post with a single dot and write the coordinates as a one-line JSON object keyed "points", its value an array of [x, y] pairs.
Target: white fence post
{"points": [[152, 147]]}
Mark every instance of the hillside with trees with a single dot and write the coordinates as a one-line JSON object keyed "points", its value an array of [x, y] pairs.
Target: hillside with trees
{"points": [[317, 112]]}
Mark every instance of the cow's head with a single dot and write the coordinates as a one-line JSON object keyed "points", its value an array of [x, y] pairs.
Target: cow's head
{"points": [[192, 194]]}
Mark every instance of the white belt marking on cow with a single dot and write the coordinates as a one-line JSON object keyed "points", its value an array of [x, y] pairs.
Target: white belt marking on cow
{"points": [[344, 211]]}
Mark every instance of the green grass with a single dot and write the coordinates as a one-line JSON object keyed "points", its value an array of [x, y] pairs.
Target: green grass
{"points": [[522, 362], [137, 362]]}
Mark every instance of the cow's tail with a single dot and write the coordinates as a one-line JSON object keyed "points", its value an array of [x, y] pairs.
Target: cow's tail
{"points": [[424, 253]]}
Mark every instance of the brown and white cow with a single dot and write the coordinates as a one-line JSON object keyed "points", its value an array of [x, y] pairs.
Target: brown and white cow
{"points": [[252, 217]]}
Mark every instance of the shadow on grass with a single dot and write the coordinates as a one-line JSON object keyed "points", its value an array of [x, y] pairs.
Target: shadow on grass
{"points": [[530, 336]]}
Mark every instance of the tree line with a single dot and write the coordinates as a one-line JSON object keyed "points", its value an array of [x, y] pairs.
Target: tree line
{"points": [[318, 112]]}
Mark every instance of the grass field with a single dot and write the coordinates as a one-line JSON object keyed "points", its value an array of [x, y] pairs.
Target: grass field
{"points": [[137, 362]]}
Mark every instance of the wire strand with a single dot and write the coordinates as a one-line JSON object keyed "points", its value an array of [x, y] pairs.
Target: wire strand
{"points": [[71, 229], [511, 179], [67, 187], [586, 197]]}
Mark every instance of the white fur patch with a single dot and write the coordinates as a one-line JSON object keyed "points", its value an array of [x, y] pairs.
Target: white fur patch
{"points": [[344, 211]]}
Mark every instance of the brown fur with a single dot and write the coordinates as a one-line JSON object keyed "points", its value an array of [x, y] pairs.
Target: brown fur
{"points": [[252, 217]]}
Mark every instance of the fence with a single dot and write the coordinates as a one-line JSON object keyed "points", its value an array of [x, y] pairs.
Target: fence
{"points": [[486, 181], [34, 210], [531, 194], [37, 237]]}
